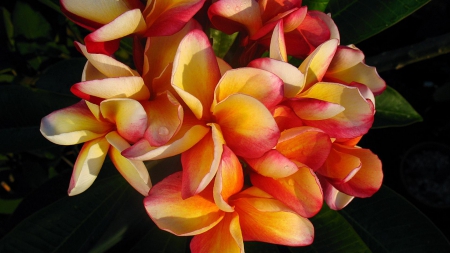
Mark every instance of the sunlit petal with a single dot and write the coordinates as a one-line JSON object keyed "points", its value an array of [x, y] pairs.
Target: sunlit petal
{"points": [[314, 109], [286, 118], [277, 45], [273, 164]]}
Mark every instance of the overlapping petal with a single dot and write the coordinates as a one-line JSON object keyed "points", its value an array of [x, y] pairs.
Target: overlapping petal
{"points": [[335, 199], [286, 118], [273, 164]]}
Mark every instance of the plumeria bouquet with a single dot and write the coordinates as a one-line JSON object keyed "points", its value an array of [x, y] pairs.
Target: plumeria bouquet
{"points": [[259, 101]]}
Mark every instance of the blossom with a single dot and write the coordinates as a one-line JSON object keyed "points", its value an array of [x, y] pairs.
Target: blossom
{"points": [[111, 20]]}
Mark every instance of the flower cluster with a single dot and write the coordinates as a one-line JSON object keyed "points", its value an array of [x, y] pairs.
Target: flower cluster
{"points": [[263, 143]]}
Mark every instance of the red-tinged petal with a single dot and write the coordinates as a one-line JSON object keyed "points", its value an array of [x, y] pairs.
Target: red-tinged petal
{"points": [[187, 136], [247, 126], [314, 109], [134, 172], [106, 39], [315, 65], [229, 179], [270, 9], [354, 121], [231, 16], [326, 18], [273, 164], [91, 14], [369, 178], [179, 216], [365, 91], [292, 78], [226, 236], [260, 84], [72, 125], [286, 118], [164, 49], [300, 191], [269, 220], [306, 145], [106, 65], [120, 87], [349, 142], [291, 20], [88, 164], [345, 57], [196, 73], [167, 17], [335, 199], [340, 167], [165, 116], [200, 163], [128, 115], [277, 45]]}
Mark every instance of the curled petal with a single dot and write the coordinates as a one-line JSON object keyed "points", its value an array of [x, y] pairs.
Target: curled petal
{"points": [[335, 199], [260, 84], [292, 78], [273, 164], [104, 64], [196, 73], [120, 87], [226, 236], [307, 145], [200, 163], [247, 126], [229, 179], [128, 115], [165, 116], [277, 45], [269, 220], [286, 118], [167, 17], [340, 167], [314, 109], [72, 125], [88, 164], [180, 216], [326, 18], [231, 16], [134, 172], [300, 191]]}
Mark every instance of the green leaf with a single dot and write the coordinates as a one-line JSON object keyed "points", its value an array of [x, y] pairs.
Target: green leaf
{"points": [[29, 23], [358, 20], [318, 5], [386, 222], [21, 114], [71, 224], [221, 42], [9, 28], [393, 110], [159, 241], [7, 206]]}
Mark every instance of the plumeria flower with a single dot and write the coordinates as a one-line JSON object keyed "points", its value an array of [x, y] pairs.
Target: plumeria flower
{"points": [[348, 172], [255, 216], [304, 30], [111, 20], [233, 107]]}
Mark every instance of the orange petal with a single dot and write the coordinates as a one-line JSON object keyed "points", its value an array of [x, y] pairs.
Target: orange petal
{"points": [[179, 216], [226, 236], [273, 164], [301, 191], [306, 145], [314, 109], [200, 163], [134, 172], [196, 73], [165, 116], [88, 164], [258, 83], [72, 125], [229, 179], [269, 220], [286, 118], [247, 126], [340, 167]]}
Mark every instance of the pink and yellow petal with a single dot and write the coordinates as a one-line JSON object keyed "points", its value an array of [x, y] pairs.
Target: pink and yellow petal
{"points": [[260, 84], [273, 164], [134, 172], [200, 163], [72, 125], [286, 118], [340, 167], [179, 216], [128, 115], [229, 179], [88, 164], [277, 49], [314, 109], [226, 236], [292, 78], [307, 145], [300, 191], [269, 220], [247, 126], [335, 199], [196, 73]]}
